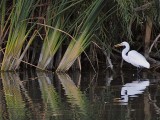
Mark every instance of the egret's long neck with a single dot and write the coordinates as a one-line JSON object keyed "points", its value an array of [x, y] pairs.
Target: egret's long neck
{"points": [[124, 52]]}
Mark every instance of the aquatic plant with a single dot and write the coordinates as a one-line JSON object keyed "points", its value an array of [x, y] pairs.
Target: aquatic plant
{"points": [[18, 34], [67, 27], [3, 23], [83, 37], [57, 16]]}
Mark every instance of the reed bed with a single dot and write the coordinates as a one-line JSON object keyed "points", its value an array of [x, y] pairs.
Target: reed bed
{"points": [[76, 47], [18, 34], [58, 14], [64, 29]]}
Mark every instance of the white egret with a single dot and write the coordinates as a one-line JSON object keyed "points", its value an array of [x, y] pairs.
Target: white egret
{"points": [[133, 57]]}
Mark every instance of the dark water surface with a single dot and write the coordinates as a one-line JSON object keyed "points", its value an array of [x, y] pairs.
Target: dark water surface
{"points": [[80, 96]]}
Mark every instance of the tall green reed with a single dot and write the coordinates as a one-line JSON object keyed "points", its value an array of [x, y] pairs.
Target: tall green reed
{"points": [[2, 18], [18, 33], [58, 14], [5, 14], [86, 27]]}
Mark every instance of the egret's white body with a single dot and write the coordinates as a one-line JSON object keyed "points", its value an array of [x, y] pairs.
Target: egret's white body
{"points": [[133, 57]]}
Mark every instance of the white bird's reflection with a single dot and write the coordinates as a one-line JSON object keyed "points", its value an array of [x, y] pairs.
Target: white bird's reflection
{"points": [[132, 90]]}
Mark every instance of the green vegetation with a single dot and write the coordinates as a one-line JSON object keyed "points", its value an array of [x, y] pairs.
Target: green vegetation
{"points": [[18, 34], [86, 28], [53, 34], [58, 15]]}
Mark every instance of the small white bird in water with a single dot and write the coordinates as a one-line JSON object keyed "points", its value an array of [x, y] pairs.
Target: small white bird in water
{"points": [[133, 57]]}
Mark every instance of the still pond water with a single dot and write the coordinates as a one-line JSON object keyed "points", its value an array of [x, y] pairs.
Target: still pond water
{"points": [[80, 96]]}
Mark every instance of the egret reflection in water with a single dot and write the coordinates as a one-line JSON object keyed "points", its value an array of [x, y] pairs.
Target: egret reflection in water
{"points": [[132, 89]]}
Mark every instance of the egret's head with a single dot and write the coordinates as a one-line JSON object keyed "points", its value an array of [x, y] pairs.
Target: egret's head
{"points": [[121, 44]]}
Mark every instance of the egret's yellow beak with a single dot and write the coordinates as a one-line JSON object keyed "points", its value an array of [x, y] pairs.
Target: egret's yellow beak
{"points": [[117, 45]]}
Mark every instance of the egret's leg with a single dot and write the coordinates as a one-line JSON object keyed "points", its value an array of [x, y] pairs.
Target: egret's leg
{"points": [[138, 72], [139, 69]]}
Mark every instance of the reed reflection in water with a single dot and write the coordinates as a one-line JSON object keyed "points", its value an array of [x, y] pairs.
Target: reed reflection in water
{"points": [[85, 96]]}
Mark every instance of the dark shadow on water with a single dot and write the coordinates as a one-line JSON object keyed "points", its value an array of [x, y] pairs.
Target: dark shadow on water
{"points": [[85, 96]]}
